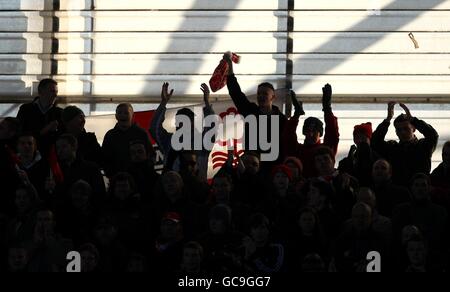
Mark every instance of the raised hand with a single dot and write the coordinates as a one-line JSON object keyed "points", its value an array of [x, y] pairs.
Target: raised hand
{"points": [[206, 93], [165, 94], [298, 105], [391, 106], [407, 111], [227, 57], [326, 97]]}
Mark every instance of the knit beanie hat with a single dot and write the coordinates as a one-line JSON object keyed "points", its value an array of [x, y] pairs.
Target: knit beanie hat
{"points": [[284, 169], [365, 129]]}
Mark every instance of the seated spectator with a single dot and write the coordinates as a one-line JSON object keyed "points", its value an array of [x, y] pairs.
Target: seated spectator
{"points": [[89, 258], [32, 162], [197, 187], [361, 157], [143, 170], [344, 185], [18, 259], [192, 259], [380, 224], [307, 238], [223, 193], [49, 250], [400, 255], [281, 177], [116, 144], [319, 195], [221, 242], [75, 168], [282, 206], [410, 155], [261, 254], [111, 251], [21, 226], [430, 218], [171, 196], [123, 192], [417, 251], [312, 130], [252, 188], [164, 138], [78, 214], [167, 252], [388, 194], [298, 180], [222, 189], [42, 117], [440, 179], [353, 245], [131, 215], [73, 120]]}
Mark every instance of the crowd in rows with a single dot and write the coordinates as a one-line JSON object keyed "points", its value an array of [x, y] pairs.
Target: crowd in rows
{"points": [[62, 191]]}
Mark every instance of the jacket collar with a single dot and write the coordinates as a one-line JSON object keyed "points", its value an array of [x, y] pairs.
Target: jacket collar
{"points": [[37, 158]]}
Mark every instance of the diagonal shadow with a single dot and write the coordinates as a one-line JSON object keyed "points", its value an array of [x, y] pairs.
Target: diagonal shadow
{"points": [[207, 43], [364, 43], [8, 111]]}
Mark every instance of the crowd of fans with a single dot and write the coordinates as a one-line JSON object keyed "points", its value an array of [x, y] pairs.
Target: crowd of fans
{"points": [[303, 212]]}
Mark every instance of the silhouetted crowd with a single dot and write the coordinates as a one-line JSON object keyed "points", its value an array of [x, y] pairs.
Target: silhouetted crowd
{"points": [[61, 191]]}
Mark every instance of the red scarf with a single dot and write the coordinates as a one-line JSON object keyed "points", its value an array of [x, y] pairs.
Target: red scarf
{"points": [[220, 75]]}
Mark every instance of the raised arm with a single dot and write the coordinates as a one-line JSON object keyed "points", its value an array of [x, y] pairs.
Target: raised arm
{"points": [[207, 110], [378, 143], [430, 134], [331, 138], [241, 101], [289, 135], [157, 130]]}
